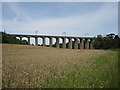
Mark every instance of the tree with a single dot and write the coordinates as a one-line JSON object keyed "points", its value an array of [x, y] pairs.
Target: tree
{"points": [[6, 38], [108, 42]]}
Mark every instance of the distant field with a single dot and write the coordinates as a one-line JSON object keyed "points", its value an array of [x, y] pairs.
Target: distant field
{"points": [[27, 66]]}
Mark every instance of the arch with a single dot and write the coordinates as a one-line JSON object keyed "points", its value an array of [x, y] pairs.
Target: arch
{"points": [[32, 39], [73, 43], [40, 40], [67, 43], [79, 43], [54, 42], [47, 42], [18, 38], [24, 38]]}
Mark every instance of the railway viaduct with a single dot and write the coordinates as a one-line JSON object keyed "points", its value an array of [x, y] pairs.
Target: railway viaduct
{"points": [[80, 42]]}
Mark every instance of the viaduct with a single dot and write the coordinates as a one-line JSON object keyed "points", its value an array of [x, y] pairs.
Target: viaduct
{"points": [[80, 42]]}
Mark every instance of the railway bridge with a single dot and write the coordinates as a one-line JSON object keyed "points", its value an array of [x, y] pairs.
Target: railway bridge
{"points": [[79, 42]]}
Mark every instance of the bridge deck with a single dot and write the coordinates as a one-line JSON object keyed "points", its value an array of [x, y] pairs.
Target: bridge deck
{"points": [[18, 35]]}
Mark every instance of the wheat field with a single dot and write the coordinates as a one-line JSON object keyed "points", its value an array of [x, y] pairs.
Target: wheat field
{"points": [[0, 66], [25, 66]]}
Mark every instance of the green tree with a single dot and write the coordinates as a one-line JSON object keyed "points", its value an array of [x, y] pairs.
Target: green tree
{"points": [[110, 41]]}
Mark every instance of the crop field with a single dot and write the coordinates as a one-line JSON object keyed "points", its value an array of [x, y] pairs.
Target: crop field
{"points": [[25, 66], [0, 66]]}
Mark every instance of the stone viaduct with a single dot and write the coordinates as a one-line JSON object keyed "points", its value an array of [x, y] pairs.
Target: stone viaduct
{"points": [[80, 42]]}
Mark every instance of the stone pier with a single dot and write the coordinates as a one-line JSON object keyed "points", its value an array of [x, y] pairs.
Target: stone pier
{"points": [[36, 40], [76, 43], [91, 43], [28, 40], [57, 42], [43, 41], [86, 43], [81, 44], [70, 43], [50, 41], [64, 42], [20, 38]]}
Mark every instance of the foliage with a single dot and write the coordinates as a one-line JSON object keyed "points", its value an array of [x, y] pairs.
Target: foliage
{"points": [[110, 41], [6, 38]]}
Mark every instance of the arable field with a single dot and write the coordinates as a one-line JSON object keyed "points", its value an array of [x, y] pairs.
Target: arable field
{"points": [[25, 66], [0, 66]]}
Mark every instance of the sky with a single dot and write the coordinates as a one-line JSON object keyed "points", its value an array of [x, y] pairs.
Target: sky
{"points": [[54, 18]]}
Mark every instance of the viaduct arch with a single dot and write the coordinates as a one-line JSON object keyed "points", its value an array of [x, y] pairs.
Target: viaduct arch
{"points": [[79, 42]]}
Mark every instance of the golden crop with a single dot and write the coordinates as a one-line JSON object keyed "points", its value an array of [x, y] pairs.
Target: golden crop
{"points": [[29, 66]]}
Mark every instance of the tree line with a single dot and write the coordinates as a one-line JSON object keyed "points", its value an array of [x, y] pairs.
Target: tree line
{"points": [[110, 41], [6, 38]]}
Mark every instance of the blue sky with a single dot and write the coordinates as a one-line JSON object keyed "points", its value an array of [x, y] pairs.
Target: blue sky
{"points": [[53, 18]]}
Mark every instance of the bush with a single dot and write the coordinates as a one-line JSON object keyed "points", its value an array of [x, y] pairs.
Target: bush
{"points": [[6, 38], [107, 42]]}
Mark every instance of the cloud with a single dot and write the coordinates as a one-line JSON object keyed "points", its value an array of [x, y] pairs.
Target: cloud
{"points": [[60, 0], [20, 13], [101, 21]]}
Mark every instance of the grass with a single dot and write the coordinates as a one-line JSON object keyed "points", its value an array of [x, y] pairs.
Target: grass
{"points": [[101, 73], [42, 67]]}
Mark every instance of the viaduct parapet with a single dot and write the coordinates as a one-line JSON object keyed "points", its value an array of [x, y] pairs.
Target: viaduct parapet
{"points": [[79, 42]]}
